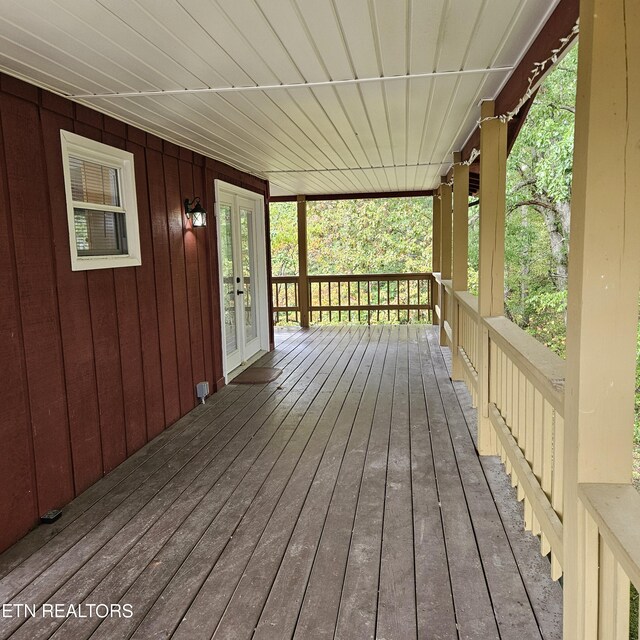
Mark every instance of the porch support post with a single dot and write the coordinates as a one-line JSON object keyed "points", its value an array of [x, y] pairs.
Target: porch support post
{"points": [[445, 255], [493, 171], [303, 282], [435, 254], [603, 285], [459, 275]]}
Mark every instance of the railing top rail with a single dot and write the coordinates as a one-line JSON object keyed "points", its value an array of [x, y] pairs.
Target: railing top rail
{"points": [[616, 510], [468, 300], [543, 365], [362, 277]]}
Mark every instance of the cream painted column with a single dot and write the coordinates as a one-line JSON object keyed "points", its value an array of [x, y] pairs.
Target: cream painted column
{"points": [[435, 253], [493, 173], [445, 255], [459, 274], [303, 282], [603, 283]]}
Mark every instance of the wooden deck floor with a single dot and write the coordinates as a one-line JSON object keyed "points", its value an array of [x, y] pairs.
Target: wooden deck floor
{"points": [[344, 500]]}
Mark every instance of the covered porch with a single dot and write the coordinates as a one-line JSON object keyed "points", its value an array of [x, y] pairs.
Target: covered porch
{"points": [[346, 499], [362, 493]]}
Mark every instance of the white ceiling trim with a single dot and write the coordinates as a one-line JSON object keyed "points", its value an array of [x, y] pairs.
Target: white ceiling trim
{"points": [[297, 85], [392, 166]]}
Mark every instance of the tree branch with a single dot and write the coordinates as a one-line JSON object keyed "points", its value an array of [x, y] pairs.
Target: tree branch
{"points": [[563, 107], [534, 203]]}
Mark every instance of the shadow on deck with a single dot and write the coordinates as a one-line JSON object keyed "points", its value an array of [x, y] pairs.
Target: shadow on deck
{"points": [[345, 499]]}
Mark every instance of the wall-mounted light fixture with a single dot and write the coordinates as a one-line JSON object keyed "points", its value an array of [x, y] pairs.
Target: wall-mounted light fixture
{"points": [[195, 212]]}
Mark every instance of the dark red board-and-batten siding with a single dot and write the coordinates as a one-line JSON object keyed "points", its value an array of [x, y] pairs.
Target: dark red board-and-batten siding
{"points": [[94, 364]]}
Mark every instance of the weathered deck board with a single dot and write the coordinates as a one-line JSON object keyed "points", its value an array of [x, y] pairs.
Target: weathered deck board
{"points": [[297, 465], [357, 614], [244, 609], [435, 610], [26, 548], [343, 500], [322, 597], [472, 600], [397, 590], [509, 597], [172, 579]]}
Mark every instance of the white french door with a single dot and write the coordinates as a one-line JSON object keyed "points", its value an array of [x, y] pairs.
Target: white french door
{"points": [[241, 243]]}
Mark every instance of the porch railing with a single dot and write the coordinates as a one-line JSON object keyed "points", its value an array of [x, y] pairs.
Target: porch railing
{"points": [[363, 298], [285, 296], [525, 410], [467, 306]]}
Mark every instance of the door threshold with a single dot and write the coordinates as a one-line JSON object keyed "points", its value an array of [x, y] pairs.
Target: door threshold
{"points": [[245, 365]]}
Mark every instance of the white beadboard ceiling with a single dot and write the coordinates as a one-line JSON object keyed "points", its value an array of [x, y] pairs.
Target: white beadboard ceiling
{"points": [[317, 96]]}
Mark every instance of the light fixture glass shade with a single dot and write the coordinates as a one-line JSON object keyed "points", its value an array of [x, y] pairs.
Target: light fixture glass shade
{"points": [[199, 218], [195, 212]]}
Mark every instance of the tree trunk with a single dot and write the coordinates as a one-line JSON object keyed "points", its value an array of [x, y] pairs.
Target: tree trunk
{"points": [[557, 217]]}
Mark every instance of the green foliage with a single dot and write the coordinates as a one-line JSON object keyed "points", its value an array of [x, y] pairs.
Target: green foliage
{"points": [[472, 254], [633, 620], [539, 173], [283, 219], [369, 236], [354, 236], [544, 148]]}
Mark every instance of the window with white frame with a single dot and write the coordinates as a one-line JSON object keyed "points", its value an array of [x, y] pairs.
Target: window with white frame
{"points": [[102, 210]]}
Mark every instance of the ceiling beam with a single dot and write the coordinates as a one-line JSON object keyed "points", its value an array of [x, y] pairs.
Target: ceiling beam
{"points": [[356, 196]]}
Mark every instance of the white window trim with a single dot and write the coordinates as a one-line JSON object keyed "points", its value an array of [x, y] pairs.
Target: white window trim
{"points": [[90, 150]]}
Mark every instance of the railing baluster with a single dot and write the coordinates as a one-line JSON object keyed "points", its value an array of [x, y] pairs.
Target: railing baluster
{"points": [[401, 301], [538, 434], [286, 300], [547, 449], [557, 492]]}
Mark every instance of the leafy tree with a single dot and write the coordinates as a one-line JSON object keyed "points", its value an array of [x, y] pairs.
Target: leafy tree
{"points": [[539, 172], [284, 238], [355, 236]]}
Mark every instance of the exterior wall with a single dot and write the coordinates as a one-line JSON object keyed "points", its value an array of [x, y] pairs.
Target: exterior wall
{"points": [[94, 364]]}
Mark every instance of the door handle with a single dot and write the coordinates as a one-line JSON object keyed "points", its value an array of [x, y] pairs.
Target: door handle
{"points": [[238, 292]]}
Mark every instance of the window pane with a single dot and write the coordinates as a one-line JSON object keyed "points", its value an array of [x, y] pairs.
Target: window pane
{"points": [[94, 183], [228, 279], [246, 240], [100, 233]]}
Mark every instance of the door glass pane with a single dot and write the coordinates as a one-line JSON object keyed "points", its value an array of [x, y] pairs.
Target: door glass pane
{"points": [[228, 279], [246, 233]]}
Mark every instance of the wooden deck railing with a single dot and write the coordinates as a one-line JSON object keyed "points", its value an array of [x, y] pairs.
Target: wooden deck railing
{"points": [[467, 308], [525, 409], [526, 398], [363, 298], [285, 293]]}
